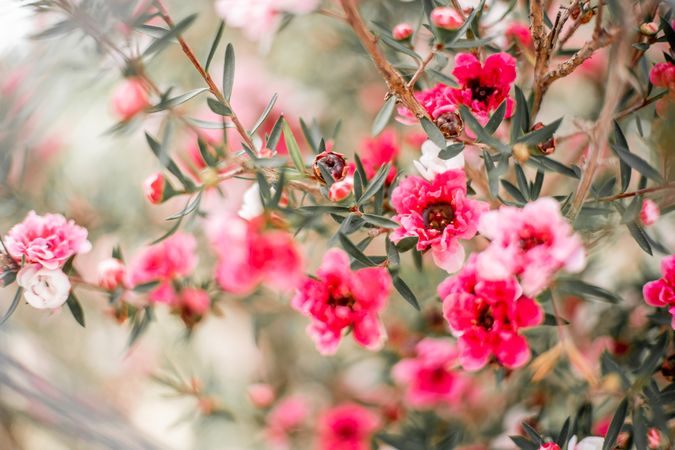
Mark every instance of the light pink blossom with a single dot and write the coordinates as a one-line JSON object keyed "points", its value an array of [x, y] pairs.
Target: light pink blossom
{"points": [[486, 316], [261, 395], [534, 243], [111, 273], [347, 427], [519, 33], [661, 293], [129, 98], [340, 190], [446, 18], [48, 240], [402, 31], [649, 213], [439, 214], [429, 377], [285, 418], [153, 188], [339, 298]]}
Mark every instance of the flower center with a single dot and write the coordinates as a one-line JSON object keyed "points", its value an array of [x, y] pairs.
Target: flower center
{"points": [[438, 216], [485, 319], [346, 431], [342, 300], [480, 92], [530, 239]]}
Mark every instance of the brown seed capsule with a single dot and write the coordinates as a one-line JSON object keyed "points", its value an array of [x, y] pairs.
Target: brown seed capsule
{"points": [[335, 163], [450, 124], [575, 11], [587, 13], [668, 367], [546, 147]]}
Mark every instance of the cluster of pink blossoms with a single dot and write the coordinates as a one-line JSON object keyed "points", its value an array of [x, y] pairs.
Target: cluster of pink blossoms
{"points": [[42, 245], [663, 75], [339, 298], [486, 317], [661, 292], [439, 214]]}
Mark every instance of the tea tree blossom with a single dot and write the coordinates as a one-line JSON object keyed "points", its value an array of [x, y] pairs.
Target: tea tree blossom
{"points": [[661, 293], [378, 151], [111, 273], [439, 214], [129, 98], [285, 418], [430, 164], [339, 299], [154, 187], [533, 243], [487, 316], [347, 427], [649, 213], [43, 288]]}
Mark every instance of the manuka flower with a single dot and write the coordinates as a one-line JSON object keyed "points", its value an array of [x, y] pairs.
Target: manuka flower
{"points": [[661, 293], [347, 427]]}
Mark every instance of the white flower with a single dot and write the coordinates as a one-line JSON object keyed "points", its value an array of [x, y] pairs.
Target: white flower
{"points": [[429, 164], [587, 443], [43, 288], [251, 206]]}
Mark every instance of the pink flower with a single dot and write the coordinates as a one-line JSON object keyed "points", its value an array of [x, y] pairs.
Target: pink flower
{"points": [[195, 301], [153, 188], [402, 31], [429, 377], [247, 256], [661, 293], [340, 190], [649, 213], [377, 151], [129, 98], [339, 298], [520, 33], [533, 243], [446, 18], [663, 75], [347, 427], [48, 240], [286, 417], [261, 394], [436, 100], [486, 316], [172, 258], [439, 214], [549, 446], [654, 439], [111, 273]]}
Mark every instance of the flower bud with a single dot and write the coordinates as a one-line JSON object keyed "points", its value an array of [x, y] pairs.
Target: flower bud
{"points": [[649, 213], [549, 446], [402, 31], [649, 29], [654, 438], [521, 152], [450, 124], [260, 394], [335, 163], [446, 18], [341, 190], [154, 187], [195, 301], [111, 273], [587, 13], [548, 146], [129, 98]]}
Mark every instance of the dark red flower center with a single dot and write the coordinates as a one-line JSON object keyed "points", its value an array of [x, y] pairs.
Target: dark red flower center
{"points": [[479, 91], [346, 431], [438, 216], [532, 238], [485, 319], [341, 300]]}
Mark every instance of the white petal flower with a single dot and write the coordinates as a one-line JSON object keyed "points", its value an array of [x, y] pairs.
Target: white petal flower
{"points": [[587, 443], [43, 288], [251, 206], [429, 164]]}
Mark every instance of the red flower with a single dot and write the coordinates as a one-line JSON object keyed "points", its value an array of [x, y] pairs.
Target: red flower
{"points": [[339, 298], [154, 187], [347, 427], [661, 293]]}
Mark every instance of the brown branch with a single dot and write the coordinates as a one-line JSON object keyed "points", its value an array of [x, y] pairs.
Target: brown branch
{"points": [[567, 67], [395, 82], [421, 69], [664, 187]]}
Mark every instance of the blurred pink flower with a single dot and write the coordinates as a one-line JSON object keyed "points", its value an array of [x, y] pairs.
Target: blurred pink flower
{"points": [[153, 188], [654, 439], [649, 213], [340, 298], [663, 75], [661, 293], [111, 273], [429, 377], [248, 256], [129, 98], [377, 151], [446, 17], [287, 416], [47, 240], [195, 301], [533, 243], [347, 427], [486, 316], [402, 31], [439, 214], [519, 33], [261, 394]]}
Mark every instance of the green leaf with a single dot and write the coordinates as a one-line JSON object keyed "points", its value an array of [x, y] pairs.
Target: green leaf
{"points": [[392, 254], [218, 108], [451, 151], [166, 161], [380, 221], [140, 323], [669, 33], [532, 433], [551, 320], [406, 292], [264, 114], [406, 244], [513, 191], [190, 208], [583, 289], [433, 132], [293, 149], [540, 135], [481, 134], [637, 163], [75, 309], [228, 71], [375, 184], [523, 443], [275, 134], [469, 43], [214, 45], [521, 118], [320, 209], [383, 116], [496, 118], [640, 236], [546, 163], [178, 100], [620, 141], [325, 174], [562, 438], [165, 40], [467, 23], [615, 425], [535, 188], [12, 306], [521, 179], [639, 429], [146, 287], [354, 251]]}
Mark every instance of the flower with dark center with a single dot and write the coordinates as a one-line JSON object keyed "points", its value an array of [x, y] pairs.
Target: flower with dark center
{"points": [[529, 239], [438, 216], [450, 124], [344, 300], [546, 147], [479, 91], [334, 163], [485, 318]]}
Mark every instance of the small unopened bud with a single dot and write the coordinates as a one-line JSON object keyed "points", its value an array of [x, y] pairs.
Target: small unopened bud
{"points": [[549, 446], [450, 124], [446, 18], [111, 273], [154, 187], [521, 152], [261, 394], [654, 438], [548, 146], [649, 29], [129, 98], [649, 213], [402, 31], [335, 163], [587, 13], [341, 189]]}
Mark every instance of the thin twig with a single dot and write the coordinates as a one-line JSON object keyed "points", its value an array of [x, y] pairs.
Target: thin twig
{"points": [[421, 69], [664, 187]]}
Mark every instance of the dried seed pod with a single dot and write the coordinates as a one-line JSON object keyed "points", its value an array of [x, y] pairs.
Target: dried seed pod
{"points": [[450, 124], [335, 163], [548, 146]]}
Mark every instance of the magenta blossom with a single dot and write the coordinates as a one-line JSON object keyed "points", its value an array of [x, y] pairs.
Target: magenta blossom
{"points": [[439, 214], [172, 258], [339, 298], [486, 316], [47, 240], [284, 419], [378, 151], [430, 378], [533, 243], [661, 293], [347, 427]]}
